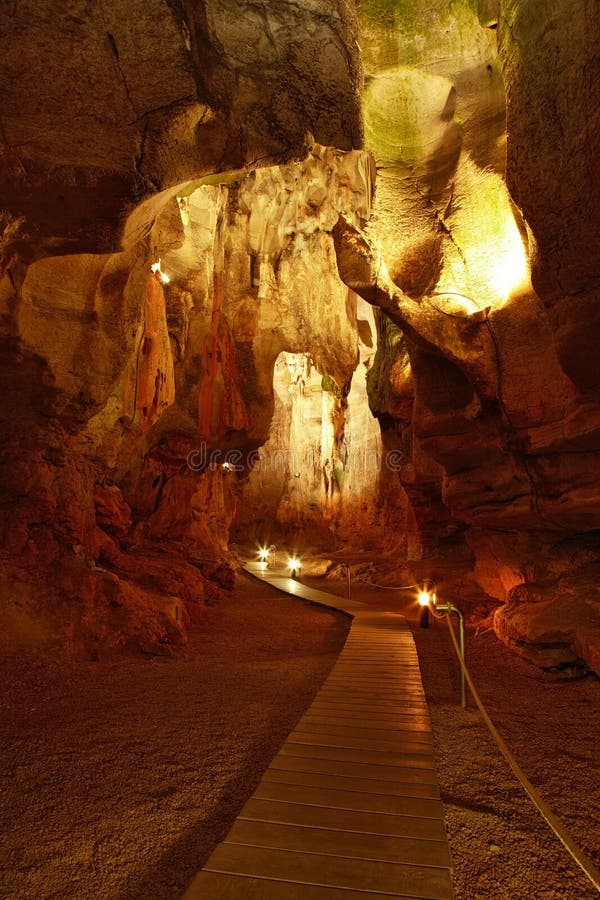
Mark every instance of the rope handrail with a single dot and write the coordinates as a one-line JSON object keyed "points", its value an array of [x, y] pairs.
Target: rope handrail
{"points": [[585, 864], [387, 587]]}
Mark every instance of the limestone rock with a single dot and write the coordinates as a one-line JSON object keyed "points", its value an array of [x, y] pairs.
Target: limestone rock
{"points": [[498, 441], [197, 260], [113, 120], [550, 68]]}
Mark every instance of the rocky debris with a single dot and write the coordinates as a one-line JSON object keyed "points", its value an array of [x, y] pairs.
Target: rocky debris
{"points": [[557, 622]]}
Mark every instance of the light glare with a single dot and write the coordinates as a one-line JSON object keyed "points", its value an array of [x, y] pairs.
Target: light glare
{"points": [[155, 268]]}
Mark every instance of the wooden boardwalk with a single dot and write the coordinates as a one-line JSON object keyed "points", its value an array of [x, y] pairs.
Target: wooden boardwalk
{"points": [[349, 809]]}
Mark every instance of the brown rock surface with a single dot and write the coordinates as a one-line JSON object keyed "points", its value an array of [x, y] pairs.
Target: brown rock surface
{"points": [[550, 65], [499, 431], [105, 107], [181, 189], [111, 375]]}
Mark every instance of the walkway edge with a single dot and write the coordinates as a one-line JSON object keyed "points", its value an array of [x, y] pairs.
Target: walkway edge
{"points": [[346, 610]]}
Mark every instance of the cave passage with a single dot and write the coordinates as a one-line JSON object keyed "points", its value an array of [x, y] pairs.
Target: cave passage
{"points": [[316, 277]]}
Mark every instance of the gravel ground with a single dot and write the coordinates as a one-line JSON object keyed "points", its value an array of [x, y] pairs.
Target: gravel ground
{"points": [[119, 777], [501, 846]]}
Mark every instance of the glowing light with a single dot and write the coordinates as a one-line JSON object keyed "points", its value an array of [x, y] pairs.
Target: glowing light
{"points": [[424, 598], [511, 269], [228, 466], [493, 264], [294, 564], [156, 270], [263, 554]]}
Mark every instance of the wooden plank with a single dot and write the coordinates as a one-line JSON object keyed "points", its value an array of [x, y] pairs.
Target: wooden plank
{"points": [[344, 819], [372, 757], [417, 712], [376, 685], [335, 842], [373, 694], [306, 726], [332, 871], [338, 799], [376, 706], [219, 886], [349, 783], [367, 693], [411, 675], [406, 724], [345, 741], [412, 709], [359, 770]]}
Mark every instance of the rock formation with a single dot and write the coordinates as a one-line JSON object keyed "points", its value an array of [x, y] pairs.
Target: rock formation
{"points": [[120, 127], [493, 383], [204, 268]]}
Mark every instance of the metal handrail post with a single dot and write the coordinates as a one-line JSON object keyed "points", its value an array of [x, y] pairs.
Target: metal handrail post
{"points": [[449, 608]]}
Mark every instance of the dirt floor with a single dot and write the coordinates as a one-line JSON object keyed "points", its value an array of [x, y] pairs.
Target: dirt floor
{"points": [[500, 845], [119, 778]]}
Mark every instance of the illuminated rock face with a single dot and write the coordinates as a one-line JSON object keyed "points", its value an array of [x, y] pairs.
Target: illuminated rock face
{"points": [[111, 377], [491, 390], [551, 69], [133, 490], [322, 478]]}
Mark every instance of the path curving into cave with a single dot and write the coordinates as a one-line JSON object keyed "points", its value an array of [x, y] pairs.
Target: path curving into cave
{"points": [[351, 802]]}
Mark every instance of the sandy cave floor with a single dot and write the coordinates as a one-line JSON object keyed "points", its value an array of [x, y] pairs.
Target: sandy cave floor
{"points": [[119, 778]]}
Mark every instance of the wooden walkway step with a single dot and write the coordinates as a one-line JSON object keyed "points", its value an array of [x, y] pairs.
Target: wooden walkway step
{"points": [[350, 808]]}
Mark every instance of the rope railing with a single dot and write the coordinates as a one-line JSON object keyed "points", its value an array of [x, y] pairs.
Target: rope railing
{"points": [[585, 864], [387, 587]]}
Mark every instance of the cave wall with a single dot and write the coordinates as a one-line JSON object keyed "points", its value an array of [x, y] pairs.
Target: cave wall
{"points": [[107, 106], [322, 480], [487, 380], [130, 136], [122, 480], [185, 200]]}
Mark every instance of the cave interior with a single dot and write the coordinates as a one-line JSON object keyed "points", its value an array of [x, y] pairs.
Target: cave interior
{"points": [[317, 275]]}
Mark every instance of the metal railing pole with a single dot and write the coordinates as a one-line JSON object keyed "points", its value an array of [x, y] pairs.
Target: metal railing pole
{"points": [[449, 608]]}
